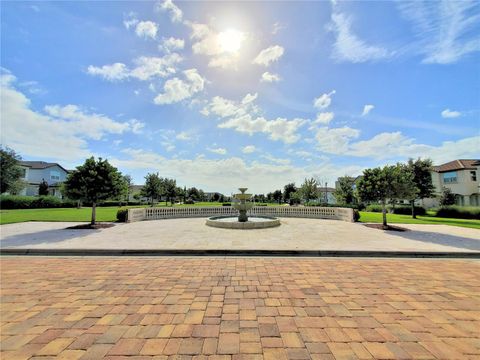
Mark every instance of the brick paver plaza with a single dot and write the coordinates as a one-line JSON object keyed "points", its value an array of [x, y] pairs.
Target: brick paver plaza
{"points": [[239, 308]]}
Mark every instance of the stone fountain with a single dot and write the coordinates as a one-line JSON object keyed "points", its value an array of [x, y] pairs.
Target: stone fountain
{"points": [[242, 203]]}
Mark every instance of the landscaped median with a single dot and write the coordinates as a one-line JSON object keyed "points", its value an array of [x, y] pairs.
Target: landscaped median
{"points": [[110, 214]]}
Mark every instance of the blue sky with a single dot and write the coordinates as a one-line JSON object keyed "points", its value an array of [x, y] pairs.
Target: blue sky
{"points": [[226, 94]]}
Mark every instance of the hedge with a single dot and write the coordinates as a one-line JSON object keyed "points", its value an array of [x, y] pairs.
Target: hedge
{"points": [[38, 202], [399, 209], [459, 212], [34, 202], [122, 215]]}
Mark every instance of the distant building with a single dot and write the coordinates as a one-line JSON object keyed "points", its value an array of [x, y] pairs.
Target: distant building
{"points": [[34, 172], [462, 177]]}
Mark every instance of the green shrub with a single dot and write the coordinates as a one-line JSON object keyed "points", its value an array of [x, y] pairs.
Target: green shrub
{"points": [[189, 201], [356, 215], [33, 202], [399, 209], [226, 204], [460, 212], [122, 215]]}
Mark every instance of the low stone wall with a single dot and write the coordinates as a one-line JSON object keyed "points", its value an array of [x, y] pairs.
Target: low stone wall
{"points": [[139, 214]]}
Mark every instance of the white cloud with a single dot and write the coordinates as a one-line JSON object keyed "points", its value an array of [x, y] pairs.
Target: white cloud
{"points": [[348, 47], [261, 177], [277, 27], [269, 55], [176, 90], [276, 160], [270, 77], [171, 44], [324, 118], [367, 109], [130, 20], [176, 14], [146, 29], [248, 149], [446, 30], [243, 117], [60, 132], [219, 151], [183, 136], [324, 100], [145, 68], [113, 72], [335, 140], [447, 114]]}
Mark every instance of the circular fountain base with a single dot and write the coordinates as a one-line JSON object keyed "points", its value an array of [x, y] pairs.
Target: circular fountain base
{"points": [[254, 222]]}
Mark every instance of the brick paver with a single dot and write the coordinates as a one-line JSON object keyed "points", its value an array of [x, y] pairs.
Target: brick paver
{"points": [[239, 308]]}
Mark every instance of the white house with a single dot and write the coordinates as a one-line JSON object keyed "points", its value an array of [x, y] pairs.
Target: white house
{"points": [[34, 172]]}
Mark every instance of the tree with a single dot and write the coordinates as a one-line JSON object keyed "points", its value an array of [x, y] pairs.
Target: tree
{"points": [[192, 193], [383, 184], [277, 196], [127, 179], [216, 197], [344, 191], [421, 180], [288, 190], [10, 171], [169, 190], [94, 181], [152, 188], [201, 195], [43, 188], [447, 197], [309, 189]]}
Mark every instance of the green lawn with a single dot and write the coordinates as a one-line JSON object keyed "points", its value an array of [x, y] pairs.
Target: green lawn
{"points": [[371, 217], [110, 214]]}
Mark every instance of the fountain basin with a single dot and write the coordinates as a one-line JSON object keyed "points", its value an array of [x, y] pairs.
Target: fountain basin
{"points": [[254, 222]]}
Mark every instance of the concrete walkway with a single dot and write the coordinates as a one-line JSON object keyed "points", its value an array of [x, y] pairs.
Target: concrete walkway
{"points": [[293, 234]]}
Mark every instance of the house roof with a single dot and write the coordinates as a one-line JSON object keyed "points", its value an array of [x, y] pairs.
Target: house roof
{"points": [[40, 165], [461, 164]]}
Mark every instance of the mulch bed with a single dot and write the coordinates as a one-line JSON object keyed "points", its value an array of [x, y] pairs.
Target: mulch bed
{"points": [[91, 227], [388, 228]]}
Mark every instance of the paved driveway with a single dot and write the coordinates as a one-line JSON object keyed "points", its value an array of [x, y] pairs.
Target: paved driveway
{"points": [[293, 234], [239, 308]]}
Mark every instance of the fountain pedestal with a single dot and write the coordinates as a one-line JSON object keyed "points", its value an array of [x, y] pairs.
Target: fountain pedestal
{"points": [[242, 205]]}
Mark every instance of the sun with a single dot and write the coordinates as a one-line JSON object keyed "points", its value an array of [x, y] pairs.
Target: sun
{"points": [[230, 40]]}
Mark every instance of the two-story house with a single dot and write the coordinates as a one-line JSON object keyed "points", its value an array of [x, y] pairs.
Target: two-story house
{"points": [[34, 172], [462, 177]]}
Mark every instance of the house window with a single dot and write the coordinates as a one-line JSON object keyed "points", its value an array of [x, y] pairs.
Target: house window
{"points": [[450, 177], [473, 175], [54, 175], [23, 173]]}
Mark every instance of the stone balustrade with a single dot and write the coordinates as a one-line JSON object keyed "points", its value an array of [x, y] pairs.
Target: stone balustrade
{"points": [[157, 213]]}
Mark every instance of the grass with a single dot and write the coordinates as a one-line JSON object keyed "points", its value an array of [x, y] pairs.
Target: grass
{"points": [[110, 214], [371, 217], [73, 214]]}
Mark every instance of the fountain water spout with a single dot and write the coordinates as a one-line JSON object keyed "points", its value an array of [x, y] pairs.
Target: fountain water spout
{"points": [[242, 203]]}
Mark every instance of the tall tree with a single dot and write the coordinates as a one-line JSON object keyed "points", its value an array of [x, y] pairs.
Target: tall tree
{"points": [[152, 188], [383, 184], [43, 188], [128, 186], [344, 191], [288, 190], [193, 193], [94, 181], [169, 187], [277, 196], [309, 189], [421, 181], [10, 171]]}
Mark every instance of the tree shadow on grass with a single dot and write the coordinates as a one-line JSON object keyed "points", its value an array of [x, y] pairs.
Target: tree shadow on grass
{"points": [[44, 237], [440, 239]]}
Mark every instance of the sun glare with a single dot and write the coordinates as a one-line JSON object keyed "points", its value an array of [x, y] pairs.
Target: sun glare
{"points": [[230, 40]]}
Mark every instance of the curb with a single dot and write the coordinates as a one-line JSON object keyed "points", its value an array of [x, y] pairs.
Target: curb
{"points": [[253, 253]]}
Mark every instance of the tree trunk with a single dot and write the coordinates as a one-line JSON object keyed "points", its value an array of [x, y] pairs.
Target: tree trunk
{"points": [[94, 213], [384, 214], [414, 216]]}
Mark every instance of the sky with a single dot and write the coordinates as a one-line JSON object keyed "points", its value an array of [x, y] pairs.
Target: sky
{"points": [[221, 95]]}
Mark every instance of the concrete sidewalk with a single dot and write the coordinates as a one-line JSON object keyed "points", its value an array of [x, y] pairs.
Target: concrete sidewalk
{"points": [[193, 234]]}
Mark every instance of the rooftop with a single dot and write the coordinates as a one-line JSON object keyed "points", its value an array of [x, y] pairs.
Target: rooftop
{"points": [[461, 164]]}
